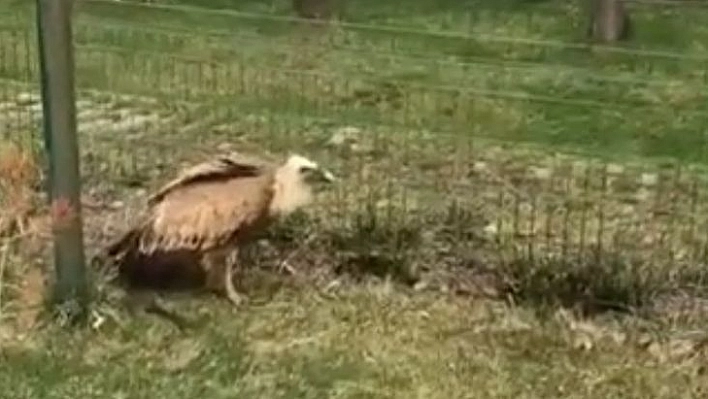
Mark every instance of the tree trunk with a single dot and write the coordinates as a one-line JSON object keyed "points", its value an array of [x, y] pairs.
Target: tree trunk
{"points": [[313, 9], [609, 21]]}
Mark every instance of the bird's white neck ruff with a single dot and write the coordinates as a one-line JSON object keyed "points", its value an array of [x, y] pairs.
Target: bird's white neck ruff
{"points": [[290, 192]]}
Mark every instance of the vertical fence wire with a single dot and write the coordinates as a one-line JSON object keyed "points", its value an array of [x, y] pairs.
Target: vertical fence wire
{"points": [[416, 145]]}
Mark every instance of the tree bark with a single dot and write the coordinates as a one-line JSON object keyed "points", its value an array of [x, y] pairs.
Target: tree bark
{"points": [[313, 9], [609, 21]]}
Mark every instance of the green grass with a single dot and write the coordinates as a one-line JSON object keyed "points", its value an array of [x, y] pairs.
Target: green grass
{"points": [[453, 178], [365, 343], [462, 80]]}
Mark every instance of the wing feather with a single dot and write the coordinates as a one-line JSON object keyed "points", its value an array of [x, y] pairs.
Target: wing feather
{"points": [[209, 214], [205, 206], [216, 169]]}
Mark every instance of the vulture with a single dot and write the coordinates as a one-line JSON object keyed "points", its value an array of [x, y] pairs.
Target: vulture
{"points": [[195, 223]]}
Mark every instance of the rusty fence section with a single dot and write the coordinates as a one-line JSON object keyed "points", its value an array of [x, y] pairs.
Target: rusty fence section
{"points": [[415, 135]]}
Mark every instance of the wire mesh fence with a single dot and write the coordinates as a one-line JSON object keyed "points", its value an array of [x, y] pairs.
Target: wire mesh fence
{"points": [[473, 137]]}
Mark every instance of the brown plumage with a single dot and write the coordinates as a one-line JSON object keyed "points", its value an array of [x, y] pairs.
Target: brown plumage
{"points": [[194, 223]]}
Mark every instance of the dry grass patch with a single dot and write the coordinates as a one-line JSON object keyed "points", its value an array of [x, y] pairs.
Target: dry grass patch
{"points": [[19, 179], [23, 233]]}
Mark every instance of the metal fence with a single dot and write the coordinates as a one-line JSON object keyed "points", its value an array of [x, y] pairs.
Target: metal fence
{"points": [[420, 124]]}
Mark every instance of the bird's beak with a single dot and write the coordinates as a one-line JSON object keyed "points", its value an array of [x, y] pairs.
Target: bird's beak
{"points": [[319, 176], [327, 176]]}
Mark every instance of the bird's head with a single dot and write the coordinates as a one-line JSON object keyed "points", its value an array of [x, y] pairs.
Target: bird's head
{"points": [[308, 171], [295, 181]]}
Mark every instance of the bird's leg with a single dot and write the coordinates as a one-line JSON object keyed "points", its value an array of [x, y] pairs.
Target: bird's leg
{"points": [[220, 267], [285, 265], [214, 262], [150, 303], [232, 263]]}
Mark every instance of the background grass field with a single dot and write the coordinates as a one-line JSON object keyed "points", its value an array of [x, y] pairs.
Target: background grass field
{"points": [[504, 185]]}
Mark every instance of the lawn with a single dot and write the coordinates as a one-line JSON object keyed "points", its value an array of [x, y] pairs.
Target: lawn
{"points": [[515, 71], [519, 215], [368, 342]]}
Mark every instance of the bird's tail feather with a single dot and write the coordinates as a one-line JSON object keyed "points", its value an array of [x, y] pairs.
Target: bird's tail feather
{"points": [[109, 259], [128, 241], [124, 243]]}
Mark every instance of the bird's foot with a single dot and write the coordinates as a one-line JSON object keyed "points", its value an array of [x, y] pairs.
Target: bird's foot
{"points": [[236, 298], [151, 303], [285, 266]]}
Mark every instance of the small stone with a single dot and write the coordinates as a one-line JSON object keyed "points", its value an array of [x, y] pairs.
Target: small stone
{"points": [[541, 173], [98, 321], [420, 285], [27, 98], [357, 148], [615, 169], [649, 179], [644, 341], [383, 203], [182, 354], [491, 229], [224, 147], [618, 337], [344, 135], [642, 194], [657, 351], [333, 286], [83, 104], [579, 167], [480, 167], [583, 342], [628, 210], [526, 208], [681, 348]]}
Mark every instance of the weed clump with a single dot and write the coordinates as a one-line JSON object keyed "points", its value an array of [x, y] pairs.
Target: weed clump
{"points": [[590, 285], [378, 246], [19, 229], [19, 180]]}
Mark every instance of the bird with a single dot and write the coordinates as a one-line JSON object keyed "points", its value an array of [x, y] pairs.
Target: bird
{"points": [[204, 215]]}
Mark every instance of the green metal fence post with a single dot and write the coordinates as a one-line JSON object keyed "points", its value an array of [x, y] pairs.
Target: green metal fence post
{"points": [[58, 101]]}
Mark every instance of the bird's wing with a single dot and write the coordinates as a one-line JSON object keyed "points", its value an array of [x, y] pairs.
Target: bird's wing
{"points": [[220, 168], [207, 214]]}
